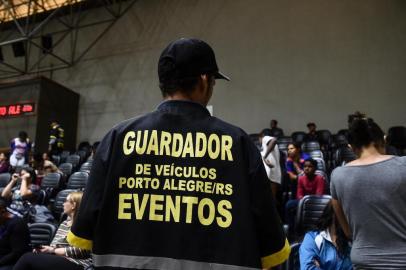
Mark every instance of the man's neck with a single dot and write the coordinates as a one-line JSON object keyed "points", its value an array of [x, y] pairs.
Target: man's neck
{"points": [[181, 96]]}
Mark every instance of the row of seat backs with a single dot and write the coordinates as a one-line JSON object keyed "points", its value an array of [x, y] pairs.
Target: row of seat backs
{"points": [[77, 180], [68, 168]]}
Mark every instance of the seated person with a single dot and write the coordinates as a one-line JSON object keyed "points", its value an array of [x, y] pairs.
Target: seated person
{"points": [[21, 191], [308, 184], [275, 130], [14, 237], [43, 167], [59, 255], [326, 247], [294, 164], [311, 136], [4, 164]]}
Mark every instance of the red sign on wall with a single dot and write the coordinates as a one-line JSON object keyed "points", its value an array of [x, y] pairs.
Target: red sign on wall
{"points": [[18, 109]]}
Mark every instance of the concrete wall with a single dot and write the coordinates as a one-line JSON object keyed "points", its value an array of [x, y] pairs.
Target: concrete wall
{"points": [[293, 60]]}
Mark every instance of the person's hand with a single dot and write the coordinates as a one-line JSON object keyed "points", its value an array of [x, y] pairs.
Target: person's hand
{"points": [[316, 263], [47, 249], [14, 177], [25, 176], [297, 168], [268, 163]]}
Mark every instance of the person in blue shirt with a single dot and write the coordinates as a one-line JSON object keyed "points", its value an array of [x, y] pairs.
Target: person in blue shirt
{"points": [[325, 248]]}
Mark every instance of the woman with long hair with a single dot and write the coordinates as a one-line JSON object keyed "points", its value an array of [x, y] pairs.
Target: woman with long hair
{"points": [[369, 199], [21, 191], [59, 255], [326, 247]]}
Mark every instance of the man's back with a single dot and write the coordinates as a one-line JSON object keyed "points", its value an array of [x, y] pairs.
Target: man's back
{"points": [[184, 188], [178, 188]]}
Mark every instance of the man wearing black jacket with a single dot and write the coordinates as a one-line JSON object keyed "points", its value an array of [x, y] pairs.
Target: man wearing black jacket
{"points": [[178, 188]]}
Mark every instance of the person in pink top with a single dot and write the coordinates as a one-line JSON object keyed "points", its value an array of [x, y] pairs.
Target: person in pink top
{"points": [[310, 183]]}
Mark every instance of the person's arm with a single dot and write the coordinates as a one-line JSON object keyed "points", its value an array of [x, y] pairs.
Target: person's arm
{"points": [[19, 243], [72, 252], [300, 190], [25, 189], [341, 218], [290, 170], [309, 254], [7, 193], [269, 147], [321, 182]]}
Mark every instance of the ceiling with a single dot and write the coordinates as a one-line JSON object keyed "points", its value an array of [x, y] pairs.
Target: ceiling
{"points": [[39, 36]]}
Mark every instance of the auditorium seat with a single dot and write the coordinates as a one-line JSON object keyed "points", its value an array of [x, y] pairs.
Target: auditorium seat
{"points": [[64, 155], [66, 168], [298, 136], [77, 180], [309, 211], [307, 147], [321, 165], [74, 160], [344, 155], [86, 167], [4, 179], [316, 154], [51, 184], [51, 180], [344, 132], [324, 137], [82, 154], [41, 233], [56, 159]]}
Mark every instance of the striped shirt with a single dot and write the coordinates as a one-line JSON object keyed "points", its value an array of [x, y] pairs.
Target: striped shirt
{"points": [[73, 254]]}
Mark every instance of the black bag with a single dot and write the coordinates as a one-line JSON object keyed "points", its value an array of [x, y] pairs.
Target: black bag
{"points": [[32, 213], [41, 214]]}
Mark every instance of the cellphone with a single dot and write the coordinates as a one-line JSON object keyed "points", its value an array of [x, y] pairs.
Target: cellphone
{"points": [[37, 246]]}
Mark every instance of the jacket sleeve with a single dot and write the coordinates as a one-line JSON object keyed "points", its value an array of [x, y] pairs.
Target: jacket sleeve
{"points": [[274, 247], [308, 253], [81, 233]]}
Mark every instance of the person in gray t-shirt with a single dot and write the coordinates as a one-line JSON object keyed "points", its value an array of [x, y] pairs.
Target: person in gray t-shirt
{"points": [[369, 200]]}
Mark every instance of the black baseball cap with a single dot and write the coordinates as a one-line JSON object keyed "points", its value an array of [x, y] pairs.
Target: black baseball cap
{"points": [[187, 58]]}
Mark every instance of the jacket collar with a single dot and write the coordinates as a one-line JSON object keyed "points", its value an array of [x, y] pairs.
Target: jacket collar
{"points": [[183, 107]]}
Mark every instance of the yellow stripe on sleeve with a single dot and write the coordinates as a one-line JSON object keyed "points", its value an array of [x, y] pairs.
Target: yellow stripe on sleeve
{"points": [[276, 258], [79, 242]]}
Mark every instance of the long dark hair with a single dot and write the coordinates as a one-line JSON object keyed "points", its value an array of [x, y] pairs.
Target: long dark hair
{"points": [[326, 220]]}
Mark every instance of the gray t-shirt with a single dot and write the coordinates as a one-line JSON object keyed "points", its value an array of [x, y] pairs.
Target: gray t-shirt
{"points": [[373, 198]]}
